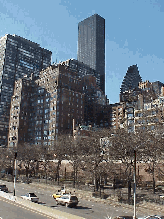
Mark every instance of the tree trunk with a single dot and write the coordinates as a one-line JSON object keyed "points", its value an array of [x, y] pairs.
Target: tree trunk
{"points": [[105, 180], [153, 180], [37, 168], [57, 171], [114, 183], [27, 169], [96, 183], [76, 180], [45, 169], [129, 190], [74, 175], [65, 174]]}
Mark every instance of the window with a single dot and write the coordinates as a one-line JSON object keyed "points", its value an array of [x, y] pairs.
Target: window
{"points": [[153, 113], [46, 110]]}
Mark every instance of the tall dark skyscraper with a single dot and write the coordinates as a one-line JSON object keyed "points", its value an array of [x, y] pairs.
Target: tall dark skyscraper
{"points": [[91, 45], [18, 57]]}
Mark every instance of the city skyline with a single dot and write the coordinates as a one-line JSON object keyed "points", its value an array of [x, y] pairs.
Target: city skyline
{"points": [[130, 39]]}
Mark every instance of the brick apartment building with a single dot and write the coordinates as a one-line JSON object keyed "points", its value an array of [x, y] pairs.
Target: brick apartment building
{"points": [[43, 107], [139, 103]]}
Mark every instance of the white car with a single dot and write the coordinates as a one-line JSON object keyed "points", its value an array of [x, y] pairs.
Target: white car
{"points": [[31, 197], [152, 217], [67, 200]]}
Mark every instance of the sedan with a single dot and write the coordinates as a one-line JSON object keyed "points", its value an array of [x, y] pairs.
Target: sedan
{"points": [[154, 217], [3, 188], [31, 197], [67, 200]]}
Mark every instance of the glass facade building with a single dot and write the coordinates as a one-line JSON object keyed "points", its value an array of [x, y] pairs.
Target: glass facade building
{"points": [[18, 57], [91, 45]]}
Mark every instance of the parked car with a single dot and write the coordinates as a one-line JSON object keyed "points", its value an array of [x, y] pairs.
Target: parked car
{"points": [[67, 200], [31, 197], [154, 217], [3, 188]]}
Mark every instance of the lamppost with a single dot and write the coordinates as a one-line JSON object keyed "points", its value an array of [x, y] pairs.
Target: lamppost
{"points": [[15, 166], [134, 217]]}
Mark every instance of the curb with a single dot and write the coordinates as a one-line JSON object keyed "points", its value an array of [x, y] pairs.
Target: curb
{"points": [[40, 208]]}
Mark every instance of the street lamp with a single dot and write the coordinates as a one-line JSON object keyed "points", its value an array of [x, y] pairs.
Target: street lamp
{"points": [[134, 217], [15, 166]]}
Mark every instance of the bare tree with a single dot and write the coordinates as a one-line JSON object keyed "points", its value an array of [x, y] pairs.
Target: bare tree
{"points": [[95, 155], [7, 159], [121, 149], [27, 156], [60, 151]]}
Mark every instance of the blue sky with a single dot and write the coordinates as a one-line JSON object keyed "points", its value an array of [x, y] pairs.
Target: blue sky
{"points": [[134, 32]]}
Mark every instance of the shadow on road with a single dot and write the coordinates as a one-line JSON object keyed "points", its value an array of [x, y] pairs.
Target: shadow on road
{"points": [[78, 207], [82, 207], [42, 203], [54, 206]]}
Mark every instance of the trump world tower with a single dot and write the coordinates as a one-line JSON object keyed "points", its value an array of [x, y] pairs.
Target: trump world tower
{"points": [[91, 45]]}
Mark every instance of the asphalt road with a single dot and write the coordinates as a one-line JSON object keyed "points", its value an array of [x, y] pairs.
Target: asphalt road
{"points": [[86, 209], [9, 209]]}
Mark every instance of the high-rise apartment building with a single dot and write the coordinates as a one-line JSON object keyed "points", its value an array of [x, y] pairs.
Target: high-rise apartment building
{"points": [[82, 69], [131, 79], [45, 107], [18, 57], [91, 45]]}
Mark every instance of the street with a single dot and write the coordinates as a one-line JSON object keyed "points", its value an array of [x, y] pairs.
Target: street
{"points": [[9, 209], [87, 209]]}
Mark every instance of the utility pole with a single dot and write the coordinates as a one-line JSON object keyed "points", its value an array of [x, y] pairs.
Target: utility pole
{"points": [[15, 170], [73, 127], [134, 217]]}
